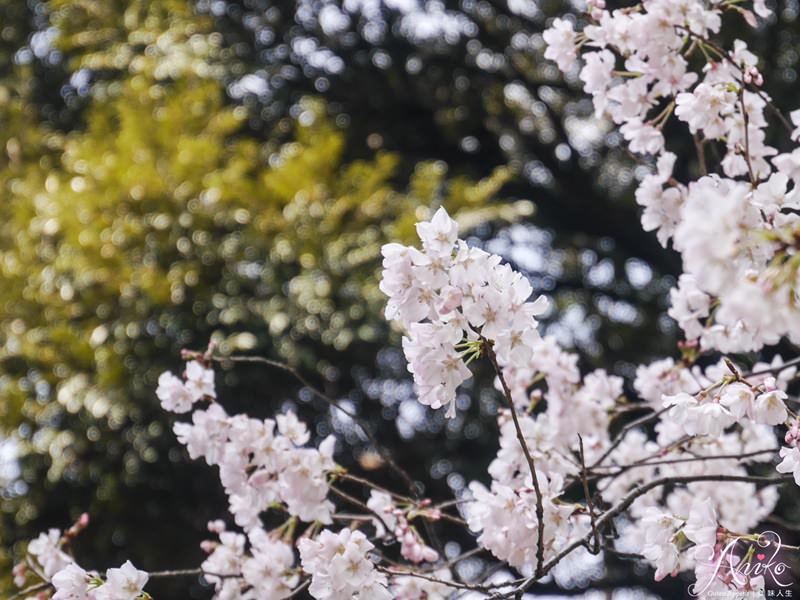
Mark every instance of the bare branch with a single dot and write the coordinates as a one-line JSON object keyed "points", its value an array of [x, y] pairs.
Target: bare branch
{"points": [[673, 461], [630, 426], [776, 369], [475, 587], [36, 587]]}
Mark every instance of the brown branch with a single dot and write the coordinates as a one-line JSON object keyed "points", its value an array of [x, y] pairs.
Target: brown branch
{"points": [[36, 587], [370, 484], [191, 572], [672, 461], [531, 463], [621, 435], [356, 502], [746, 119], [299, 589], [699, 146], [776, 369], [625, 503], [475, 587], [590, 506], [788, 525]]}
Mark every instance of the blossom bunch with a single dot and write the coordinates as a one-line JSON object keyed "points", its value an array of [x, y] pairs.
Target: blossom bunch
{"points": [[262, 463], [179, 395], [729, 400], [340, 568], [412, 547], [71, 582], [736, 237], [260, 565], [449, 297], [506, 520]]}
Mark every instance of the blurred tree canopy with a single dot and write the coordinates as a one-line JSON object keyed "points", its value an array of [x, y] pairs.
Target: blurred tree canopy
{"points": [[176, 170]]}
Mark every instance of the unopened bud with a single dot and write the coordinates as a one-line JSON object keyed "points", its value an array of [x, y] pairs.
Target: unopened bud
{"points": [[793, 435], [20, 573], [217, 526], [753, 76], [78, 526], [429, 554]]}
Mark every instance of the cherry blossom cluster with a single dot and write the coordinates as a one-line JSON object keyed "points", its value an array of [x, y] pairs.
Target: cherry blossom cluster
{"points": [[790, 454], [505, 517], [412, 547], [735, 229], [340, 568], [740, 504], [179, 395], [695, 541], [449, 297], [262, 463], [727, 399], [259, 565], [71, 582], [713, 412]]}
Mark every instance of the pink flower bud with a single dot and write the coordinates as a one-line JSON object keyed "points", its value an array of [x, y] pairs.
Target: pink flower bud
{"points": [[433, 514], [20, 573], [217, 526], [429, 554]]}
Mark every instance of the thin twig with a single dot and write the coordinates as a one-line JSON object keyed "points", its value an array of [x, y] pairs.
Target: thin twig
{"points": [[746, 119], [621, 435], [36, 587], [776, 369], [299, 589], [672, 461], [788, 525], [373, 485], [356, 502], [531, 463], [180, 573], [475, 587], [596, 548]]}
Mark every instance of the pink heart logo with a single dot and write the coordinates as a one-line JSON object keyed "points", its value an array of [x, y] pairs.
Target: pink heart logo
{"points": [[760, 556]]}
